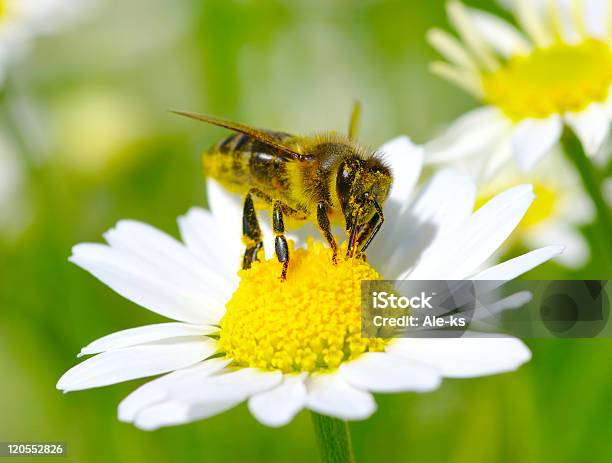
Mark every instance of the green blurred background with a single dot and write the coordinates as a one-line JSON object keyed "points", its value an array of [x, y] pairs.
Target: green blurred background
{"points": [[87, 113]]}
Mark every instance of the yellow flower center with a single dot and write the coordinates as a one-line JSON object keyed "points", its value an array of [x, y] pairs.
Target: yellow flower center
{"points": [[310, 322], [551, 80], [542, 209], [7, 8]]}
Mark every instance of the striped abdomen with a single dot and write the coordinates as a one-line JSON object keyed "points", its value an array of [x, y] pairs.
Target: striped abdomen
{"points": [[240, 162]]}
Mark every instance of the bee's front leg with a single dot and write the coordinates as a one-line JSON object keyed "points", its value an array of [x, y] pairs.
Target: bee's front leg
{"points": [[251, 233], [280, 242], [369, 232], [325, 227]]}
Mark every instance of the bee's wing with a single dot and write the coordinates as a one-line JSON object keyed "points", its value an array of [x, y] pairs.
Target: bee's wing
{"points": [[257, 134]]}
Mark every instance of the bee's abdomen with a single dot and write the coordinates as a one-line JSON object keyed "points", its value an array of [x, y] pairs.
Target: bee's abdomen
{"points": [[240, 162]]}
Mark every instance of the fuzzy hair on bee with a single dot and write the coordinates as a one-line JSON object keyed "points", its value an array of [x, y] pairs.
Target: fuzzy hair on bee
{"points": [[327, 178]]}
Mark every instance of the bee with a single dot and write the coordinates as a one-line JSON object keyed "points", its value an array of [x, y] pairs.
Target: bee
{"points": [[322, 178]]}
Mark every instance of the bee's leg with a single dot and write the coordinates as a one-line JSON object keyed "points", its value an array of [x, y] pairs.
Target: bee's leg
{"points": [[251, 233], [369, 232], [280, 242], [325, 227]]}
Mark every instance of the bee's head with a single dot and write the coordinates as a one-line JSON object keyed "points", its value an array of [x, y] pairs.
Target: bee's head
{"points": [[362, 186]]}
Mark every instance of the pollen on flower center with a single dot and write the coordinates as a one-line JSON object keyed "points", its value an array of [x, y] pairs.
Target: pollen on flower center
{"points": [[311, 322], [551, 80]]}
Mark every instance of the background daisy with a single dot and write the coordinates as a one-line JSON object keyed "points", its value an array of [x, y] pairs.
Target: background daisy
{"points": [[560, 207], [555, 71], [545, 83]]}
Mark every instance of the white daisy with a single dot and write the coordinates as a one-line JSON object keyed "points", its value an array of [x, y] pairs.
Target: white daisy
{"points": [[561, 205], [284, 347], [556, 70]]}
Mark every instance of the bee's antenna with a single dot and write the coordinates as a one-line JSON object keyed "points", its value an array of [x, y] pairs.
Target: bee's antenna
{"points": [[354, 122]]}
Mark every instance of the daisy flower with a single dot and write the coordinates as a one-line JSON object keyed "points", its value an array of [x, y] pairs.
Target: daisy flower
{"points": [[555, 71], [561, 205], [283, 347]]}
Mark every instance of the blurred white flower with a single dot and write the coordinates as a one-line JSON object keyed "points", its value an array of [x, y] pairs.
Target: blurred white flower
{"points": [[288, 346], [556, 70], [560, 206], [22, 20]]}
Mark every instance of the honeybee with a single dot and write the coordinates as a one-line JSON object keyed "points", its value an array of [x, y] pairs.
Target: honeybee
{"points": [[322, 178]]}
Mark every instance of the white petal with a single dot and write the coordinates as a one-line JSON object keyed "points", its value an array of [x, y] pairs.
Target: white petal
{"points": [[449, 47], [442, 206], [143, 334], [277, 407], [465, 357], [406, 161], [383, 372], [226, 387], [465, 78], [596, 17], [533, 138], [149, 287], [470, 135], [531, 21], [194, 398], [513, 268], [227, 210], [156, 391], [209, 240], [161, 251], [462, 253], [226, 207], [460, 19], [172, 413], [134, 362], [488, 310], [591, 126], [576, 248], [501, 35], [499, 158], [331, 395]]}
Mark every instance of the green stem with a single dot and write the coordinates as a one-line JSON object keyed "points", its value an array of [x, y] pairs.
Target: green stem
{"points": [[603, 223], [334, 438]]}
